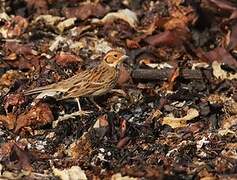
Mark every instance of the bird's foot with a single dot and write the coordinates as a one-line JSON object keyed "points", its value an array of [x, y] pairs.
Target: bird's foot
{"points": [[74, 115], [71, 116], [81, 113]]}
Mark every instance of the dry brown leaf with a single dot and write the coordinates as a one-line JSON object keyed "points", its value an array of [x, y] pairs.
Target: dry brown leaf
{"points": [[85, 10], [222, 5], [124, 76], [73, 173], [6, 148], [64, 58], [9, 120], [82, 148], [11, 57], [228, 122], [132, 44], [219, 54], [231, 38], [40, 6], [181, 122], [10, 77], [47, 19], [180, 18], [102, 121], [13, 100], [219, 73], [66, 24], [16, 27], [125, 14], [230, 151], [38, 115], [155, 114], [228, 103], [77, 31], [118, 176], [123, 142], [22, 157], [20, 49], [4, 16], [172, 38]]}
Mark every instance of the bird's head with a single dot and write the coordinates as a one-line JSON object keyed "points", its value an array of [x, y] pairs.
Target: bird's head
{"points": [[113, 58]]}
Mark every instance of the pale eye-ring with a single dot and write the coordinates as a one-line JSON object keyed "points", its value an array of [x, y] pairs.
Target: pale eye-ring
{"points": [[116, 55]]}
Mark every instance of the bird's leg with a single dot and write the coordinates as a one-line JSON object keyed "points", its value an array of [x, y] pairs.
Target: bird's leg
{"points": [[73, 115], [93, 101], [80, 112], [78, 104]]}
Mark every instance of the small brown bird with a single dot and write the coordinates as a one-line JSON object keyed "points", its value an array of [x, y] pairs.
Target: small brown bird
{"points": [[89, 83]]}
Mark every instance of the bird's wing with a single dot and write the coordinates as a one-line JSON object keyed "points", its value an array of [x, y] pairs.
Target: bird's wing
{"points": [[61, 86], [92, 85]]}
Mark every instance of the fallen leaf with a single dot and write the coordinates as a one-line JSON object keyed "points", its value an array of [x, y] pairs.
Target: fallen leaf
{"points": [[47, 19], [181, 122], [20, 49], [148, 63], [4, 16], [228, 103], [232, 36], [101, 122], [12, 56], [119, 176], [230, 151], [68, 23], [74, 173], [13, 100], [85, 10], [172, 38], [124, 76], [221, 5], [125, 14], [155, 114], [38, 6], [132, 44], [82, 148], [180, 18], [228, 122], [219, 54], [78, 30], [10, 77], [38, 115], [22, 157], [56, 42], [9, 120], [64, 58], [16, 27], [6, 148], [219, 73], [123, 142]]}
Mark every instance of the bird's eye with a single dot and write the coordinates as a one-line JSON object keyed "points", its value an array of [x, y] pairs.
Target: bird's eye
{"points": [[115, 55]]}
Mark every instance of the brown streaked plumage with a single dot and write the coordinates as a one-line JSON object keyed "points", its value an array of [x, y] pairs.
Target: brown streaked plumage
{"points": [[89, 83]]}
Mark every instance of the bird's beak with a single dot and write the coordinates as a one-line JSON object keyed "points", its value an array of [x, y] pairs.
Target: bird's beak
{"points": [[123, 58]]}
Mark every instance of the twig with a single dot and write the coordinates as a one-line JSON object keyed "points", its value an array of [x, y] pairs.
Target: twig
{"points": [[164, 74]]}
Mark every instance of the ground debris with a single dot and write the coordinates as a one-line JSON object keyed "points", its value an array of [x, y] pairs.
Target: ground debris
{"points": [[170, 115]]}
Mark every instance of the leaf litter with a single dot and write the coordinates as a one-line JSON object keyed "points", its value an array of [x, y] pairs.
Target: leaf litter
{"points": [[172, 114]]}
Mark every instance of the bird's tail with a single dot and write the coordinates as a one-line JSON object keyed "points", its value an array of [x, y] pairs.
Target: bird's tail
{"points": [[38, 90]]}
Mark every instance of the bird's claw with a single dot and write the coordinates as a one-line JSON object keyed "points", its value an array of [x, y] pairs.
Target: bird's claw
{"points": [[81, 113]]}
